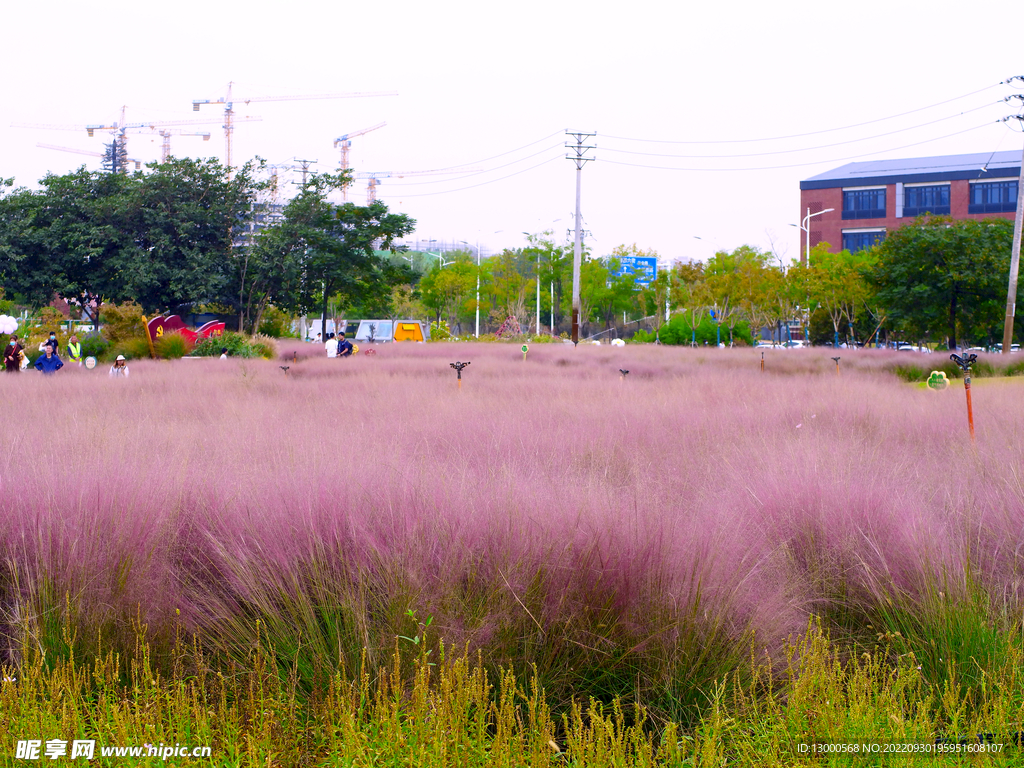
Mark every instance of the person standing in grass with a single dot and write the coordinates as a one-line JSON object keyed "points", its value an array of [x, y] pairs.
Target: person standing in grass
{"points": [[49, 363], [119, 369], [12, 355], [51, 341], [344, 346], [74, 350], [332, 347]]}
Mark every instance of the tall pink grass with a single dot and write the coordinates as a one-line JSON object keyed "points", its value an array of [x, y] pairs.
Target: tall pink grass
{"points": [[641, 532]]}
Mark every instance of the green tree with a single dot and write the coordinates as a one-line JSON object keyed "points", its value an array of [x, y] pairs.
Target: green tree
{"points": [[444, 290], [727, 284], [184, 216], [552, 263], [160, 238], [938, 273], [838, 284], [321, 250]]}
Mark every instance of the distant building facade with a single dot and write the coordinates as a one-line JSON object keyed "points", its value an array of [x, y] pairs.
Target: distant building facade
{"points": [[873, 198]]}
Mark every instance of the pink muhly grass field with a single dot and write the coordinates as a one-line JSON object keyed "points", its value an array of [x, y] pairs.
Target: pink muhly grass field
{"points": [[637, 534]]}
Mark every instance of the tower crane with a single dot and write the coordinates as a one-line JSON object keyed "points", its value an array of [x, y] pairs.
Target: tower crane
{"points": [[138, 163], [165, 144], [373, 178], [121, 128], [229, 109], [345, 142]]}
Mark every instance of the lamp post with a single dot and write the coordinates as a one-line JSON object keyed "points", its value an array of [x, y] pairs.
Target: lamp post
{"points": [[496, 232], [805, 225]]}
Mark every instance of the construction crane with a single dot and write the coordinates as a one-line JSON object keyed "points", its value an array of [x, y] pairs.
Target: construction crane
{"points": [[138, 163], [229, 110], [165, 144], [122, 128], [345, 142], [373, 178]]}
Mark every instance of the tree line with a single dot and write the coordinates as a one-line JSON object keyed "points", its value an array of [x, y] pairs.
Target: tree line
{"points": [[935, 279], [185, 233]]}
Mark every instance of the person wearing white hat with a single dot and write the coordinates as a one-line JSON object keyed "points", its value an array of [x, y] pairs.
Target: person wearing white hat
{"points": [[119, 368]]}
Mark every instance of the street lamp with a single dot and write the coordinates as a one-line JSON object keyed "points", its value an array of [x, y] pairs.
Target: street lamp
{"points": [[805, 225], [496, 232]]}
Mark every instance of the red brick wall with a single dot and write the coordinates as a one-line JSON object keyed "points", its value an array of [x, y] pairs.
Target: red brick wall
{"points": [[829, 227]]}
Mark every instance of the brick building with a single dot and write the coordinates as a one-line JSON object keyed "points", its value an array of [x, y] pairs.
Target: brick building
{"points": [[869, 199]]}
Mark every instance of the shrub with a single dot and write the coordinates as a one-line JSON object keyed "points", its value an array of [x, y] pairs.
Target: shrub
{"points": [[122, 322], [276, 324], [679, 331], [172, 346], [264, 346], [134, 349], [440, 332], [237, 345], [93, 345]]}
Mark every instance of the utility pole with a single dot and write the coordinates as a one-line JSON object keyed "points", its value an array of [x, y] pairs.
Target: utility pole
{"points": [[1011, 290], [579, 149], [305, 168]]}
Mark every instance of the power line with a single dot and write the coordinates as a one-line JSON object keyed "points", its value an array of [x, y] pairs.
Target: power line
{"points": [[806, 149], [812, 133], [474, 186], [803, 165], [486, 170]]}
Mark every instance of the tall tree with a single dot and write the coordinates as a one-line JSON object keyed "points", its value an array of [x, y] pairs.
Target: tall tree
{"points": [[939, 275], [725, 280], [321, 249], [161, 238], [445, 289]]}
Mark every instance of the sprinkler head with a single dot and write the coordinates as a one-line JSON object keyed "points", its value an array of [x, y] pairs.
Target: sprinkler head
{"points": [[458, 368], [837, 359], [284, 368], [964, 362], [623, 371]]}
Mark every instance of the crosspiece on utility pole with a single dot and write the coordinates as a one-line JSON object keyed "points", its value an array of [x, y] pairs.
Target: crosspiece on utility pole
{"points": [[579, 158], [305, 168], [1018, 221]]}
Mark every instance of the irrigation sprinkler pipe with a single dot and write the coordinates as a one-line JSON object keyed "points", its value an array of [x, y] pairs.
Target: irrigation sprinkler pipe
{"points": [[965, 364], [458, 366]]}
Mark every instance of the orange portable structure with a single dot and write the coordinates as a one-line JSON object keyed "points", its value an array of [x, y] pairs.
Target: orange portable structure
{"points": [[410, 330]]}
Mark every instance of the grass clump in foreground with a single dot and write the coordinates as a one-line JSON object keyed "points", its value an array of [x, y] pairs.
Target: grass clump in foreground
{"points": [[447, 710]]}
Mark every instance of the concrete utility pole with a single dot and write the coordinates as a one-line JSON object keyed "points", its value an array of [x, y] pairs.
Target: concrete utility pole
{"points": [[578, 157], [1011, 290], [306, 165]]}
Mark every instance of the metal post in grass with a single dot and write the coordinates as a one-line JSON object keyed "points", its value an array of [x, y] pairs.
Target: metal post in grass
{"points": [[458, 369], [965, 364], [149, 339], [762, 362], [837, 365]]}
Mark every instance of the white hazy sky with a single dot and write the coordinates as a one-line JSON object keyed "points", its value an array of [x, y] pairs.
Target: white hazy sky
{"points": [[687, 99]]}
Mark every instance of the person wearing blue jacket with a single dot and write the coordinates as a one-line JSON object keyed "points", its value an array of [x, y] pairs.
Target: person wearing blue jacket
{"points": [[49, 363]]}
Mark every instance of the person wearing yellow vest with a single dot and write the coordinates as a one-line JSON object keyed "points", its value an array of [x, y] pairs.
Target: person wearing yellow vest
{"points": [[74, 350]]}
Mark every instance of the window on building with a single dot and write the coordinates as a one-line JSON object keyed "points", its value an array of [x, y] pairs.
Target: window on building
{"points": [[864, 203], [993, 197], [859, 240], [918, 201]]}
